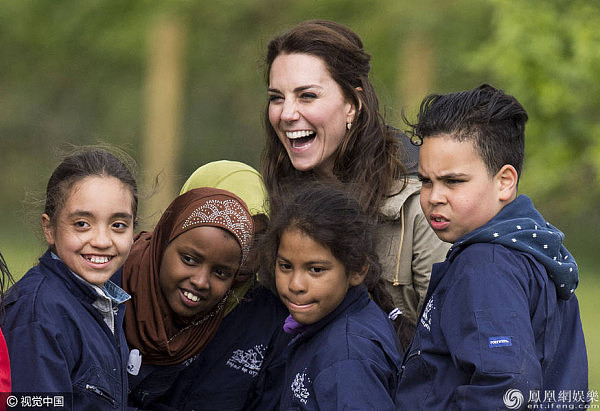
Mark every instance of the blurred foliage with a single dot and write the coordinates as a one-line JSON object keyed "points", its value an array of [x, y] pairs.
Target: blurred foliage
{"points": [[74, 72], [549, 58]]}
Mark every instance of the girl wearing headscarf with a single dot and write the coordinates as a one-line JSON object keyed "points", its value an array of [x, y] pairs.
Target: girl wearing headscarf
{"points": [[215, 369]]}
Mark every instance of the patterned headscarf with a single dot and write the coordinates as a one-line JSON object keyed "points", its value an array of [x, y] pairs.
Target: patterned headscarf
{"points": [[228, 214], [150, 325], [245, 182], [234, 176]]}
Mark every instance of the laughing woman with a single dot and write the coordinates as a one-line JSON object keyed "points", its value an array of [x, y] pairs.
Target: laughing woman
{"points": [[323, 123]]}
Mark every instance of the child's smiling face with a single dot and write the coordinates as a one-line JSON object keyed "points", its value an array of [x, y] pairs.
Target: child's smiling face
{"points": [[198, 268], [458, 194], [93, 232], [310, 280]]}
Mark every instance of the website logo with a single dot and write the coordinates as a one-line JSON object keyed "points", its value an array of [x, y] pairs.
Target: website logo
{"points": [[513, 399]]}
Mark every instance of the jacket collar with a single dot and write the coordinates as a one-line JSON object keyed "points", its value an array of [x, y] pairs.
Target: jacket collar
{"points": [[78, 286]]}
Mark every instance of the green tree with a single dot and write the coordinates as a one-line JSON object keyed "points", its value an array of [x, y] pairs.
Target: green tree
{"points": [[547, 56]]}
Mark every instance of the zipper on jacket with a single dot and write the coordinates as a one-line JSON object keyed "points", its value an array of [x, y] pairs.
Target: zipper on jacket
{"points": [[397, 277], [409, 357], [100, 392], [406, 360]]}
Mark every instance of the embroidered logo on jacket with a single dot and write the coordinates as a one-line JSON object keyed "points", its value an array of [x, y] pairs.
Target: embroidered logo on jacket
{"points": [[426, 317], [248, 361], [299, 388], [499, 342]]}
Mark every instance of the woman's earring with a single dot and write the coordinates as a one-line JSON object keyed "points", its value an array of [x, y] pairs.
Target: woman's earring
{"points": [[348, 126]]}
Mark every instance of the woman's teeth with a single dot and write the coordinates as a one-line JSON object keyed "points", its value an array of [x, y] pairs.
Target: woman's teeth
{"points": [[301, 138], [191, 296], [298, 134]]}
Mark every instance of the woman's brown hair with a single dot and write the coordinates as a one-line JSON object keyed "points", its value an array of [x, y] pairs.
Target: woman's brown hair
{"points": [[368, 156]]}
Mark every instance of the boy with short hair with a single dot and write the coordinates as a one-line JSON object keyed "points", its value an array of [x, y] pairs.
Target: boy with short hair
{"points": [[500, 327]]}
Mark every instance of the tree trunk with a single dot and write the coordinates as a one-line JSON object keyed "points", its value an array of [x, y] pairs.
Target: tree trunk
{"points": [[417, 73], [161, 145]]}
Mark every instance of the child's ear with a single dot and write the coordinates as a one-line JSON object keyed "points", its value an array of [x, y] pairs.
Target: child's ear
{"points": [[507, 179], [48, 230], [357, 277]]}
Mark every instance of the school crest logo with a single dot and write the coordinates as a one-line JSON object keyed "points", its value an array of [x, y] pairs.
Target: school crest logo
{"points": [[248, 361], [299, 387], [426, 317]]}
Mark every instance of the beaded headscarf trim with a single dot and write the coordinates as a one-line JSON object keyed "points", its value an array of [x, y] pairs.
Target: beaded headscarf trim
{"points": [[228, 214]]}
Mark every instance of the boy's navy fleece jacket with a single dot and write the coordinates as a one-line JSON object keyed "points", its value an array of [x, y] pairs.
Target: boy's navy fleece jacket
{"points": [[59, 343], [500, 322], [347, 360]]}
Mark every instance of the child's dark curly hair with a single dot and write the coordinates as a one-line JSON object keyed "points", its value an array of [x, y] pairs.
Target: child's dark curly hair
{"points": [[334, 218]]}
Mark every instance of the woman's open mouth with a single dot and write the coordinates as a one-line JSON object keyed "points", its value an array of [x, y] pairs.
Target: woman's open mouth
{"points": [[300, 139]]}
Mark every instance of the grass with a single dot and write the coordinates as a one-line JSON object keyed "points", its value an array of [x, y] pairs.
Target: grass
{"points": [[589, 306]]}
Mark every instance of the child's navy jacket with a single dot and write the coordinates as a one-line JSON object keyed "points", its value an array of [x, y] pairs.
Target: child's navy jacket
{"points": [[347, 360], [220, 376], [59, 343], [500, 327]]}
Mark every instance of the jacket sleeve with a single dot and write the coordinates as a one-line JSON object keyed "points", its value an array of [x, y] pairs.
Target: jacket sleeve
{"points": [[40, 358], [4, 366], [486, 322], [356, 385]]}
